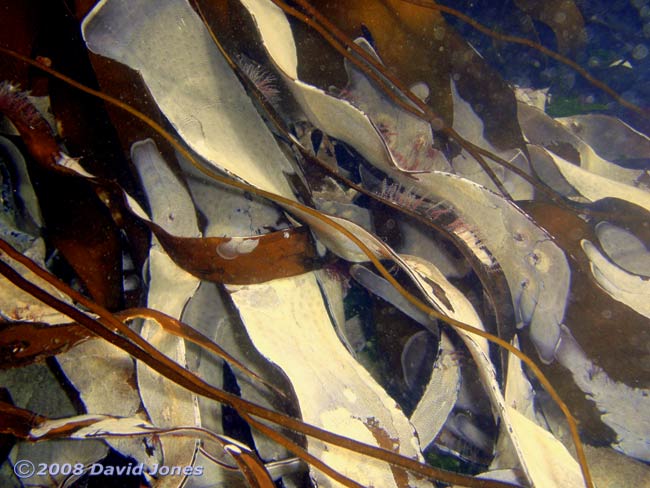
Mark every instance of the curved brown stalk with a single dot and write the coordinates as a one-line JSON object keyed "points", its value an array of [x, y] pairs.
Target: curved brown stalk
{"points": [[291, 204], [180, 329], [534, 45], [108, 327], [549, 192], [311, 459]]}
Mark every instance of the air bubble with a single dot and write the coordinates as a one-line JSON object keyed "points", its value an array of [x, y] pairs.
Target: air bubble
{"points": [[640, 51]]}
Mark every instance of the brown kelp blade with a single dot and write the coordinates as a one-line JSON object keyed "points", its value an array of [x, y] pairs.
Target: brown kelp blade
{"points": [[78, 224], [23, 343], [232, 260], [279, 254]]}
